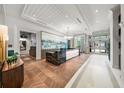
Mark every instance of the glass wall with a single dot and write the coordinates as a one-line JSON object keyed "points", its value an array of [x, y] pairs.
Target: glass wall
{"points": [[100, 41], [79, 42], [51, 41]]}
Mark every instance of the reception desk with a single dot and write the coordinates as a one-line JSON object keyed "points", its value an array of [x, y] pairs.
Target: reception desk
{"points": [[72, 53], [13, 76], [60, 56]]}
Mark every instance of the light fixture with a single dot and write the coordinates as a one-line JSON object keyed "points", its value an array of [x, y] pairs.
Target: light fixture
{"points": [[22, 39], [68, 37], [97, 21], [97, 11], [121, 24]]}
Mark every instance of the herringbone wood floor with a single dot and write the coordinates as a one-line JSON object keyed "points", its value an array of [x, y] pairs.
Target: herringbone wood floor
{"points": [[41, 74]]}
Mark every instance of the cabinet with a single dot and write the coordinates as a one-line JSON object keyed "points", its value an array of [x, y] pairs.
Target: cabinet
{"points": [[13, 76]]}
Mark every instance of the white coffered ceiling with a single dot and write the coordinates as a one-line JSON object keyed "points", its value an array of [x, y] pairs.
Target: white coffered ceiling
{"points": [[64, 18]]}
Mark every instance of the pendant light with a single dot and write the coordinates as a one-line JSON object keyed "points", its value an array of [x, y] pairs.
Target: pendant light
{"points": [[68, 37]]}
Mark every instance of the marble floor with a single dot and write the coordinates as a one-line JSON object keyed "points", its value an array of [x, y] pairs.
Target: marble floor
{"points": [[41, 74], [96, 74]]}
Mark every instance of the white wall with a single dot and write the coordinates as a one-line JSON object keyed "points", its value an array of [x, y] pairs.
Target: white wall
{"points": [[33, 39], [21, 24], [2, 18], [122, 41], [114, 37], [15, 25]]}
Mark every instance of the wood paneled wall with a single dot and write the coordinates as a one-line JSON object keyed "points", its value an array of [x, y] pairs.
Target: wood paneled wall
{"points": [[3, 42]]}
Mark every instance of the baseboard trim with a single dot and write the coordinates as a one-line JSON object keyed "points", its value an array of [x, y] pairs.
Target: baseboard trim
{"points": [[72, 80], [117, 74]]}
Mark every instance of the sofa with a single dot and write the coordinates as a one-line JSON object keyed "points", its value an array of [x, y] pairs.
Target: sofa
{"points": [[56, 57]]}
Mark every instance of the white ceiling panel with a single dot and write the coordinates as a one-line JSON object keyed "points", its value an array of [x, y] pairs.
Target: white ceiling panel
{"points": [[97, 15], [59, 17]]}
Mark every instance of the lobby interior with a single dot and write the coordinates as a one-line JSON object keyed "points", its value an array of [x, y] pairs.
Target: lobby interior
{"points": [[61, 46]]}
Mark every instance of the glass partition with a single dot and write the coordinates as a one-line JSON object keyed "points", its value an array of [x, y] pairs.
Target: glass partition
{"points": [[51, 41]]}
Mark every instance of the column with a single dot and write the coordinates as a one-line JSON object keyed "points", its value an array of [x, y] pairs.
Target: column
{"points": [[38, 45], [16, 39], [114, 37]]}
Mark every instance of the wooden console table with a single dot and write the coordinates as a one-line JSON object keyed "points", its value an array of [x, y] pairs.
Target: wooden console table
{"points": [[13, 75]]}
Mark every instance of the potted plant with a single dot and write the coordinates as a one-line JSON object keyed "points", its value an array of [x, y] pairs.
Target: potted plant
{"points": [[15, 58], [12, 59], [9, 60]]}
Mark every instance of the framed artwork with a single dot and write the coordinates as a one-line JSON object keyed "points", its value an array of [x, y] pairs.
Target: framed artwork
{"points": [[23, 45]]}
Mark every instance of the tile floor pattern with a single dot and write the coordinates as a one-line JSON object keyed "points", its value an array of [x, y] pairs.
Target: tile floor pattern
{"points": [[41, 74], [96, 74]]}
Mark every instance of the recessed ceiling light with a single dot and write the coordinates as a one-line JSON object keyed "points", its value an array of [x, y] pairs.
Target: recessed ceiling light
{"points": [[97, 21], [97, 11]]}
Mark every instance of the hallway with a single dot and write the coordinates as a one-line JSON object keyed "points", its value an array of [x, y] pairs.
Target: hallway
{"points": [[96, 74]]}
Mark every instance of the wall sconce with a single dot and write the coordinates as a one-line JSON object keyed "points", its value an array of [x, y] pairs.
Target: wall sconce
{"points": [[121, 24]]}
